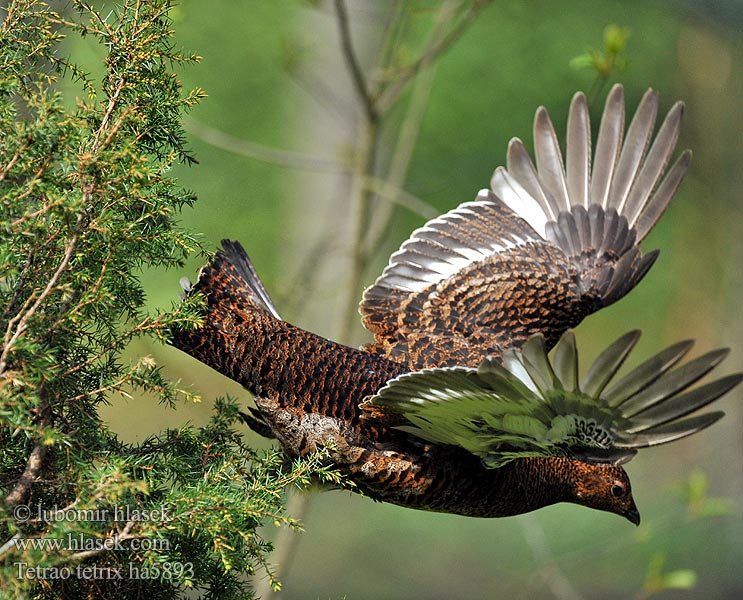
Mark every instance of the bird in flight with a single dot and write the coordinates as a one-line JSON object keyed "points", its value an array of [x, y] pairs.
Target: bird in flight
{"points": [[458, 405]]}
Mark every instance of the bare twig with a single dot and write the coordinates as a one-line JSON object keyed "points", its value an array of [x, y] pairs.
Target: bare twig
{"points": [[406, 140], [597, 87], [320, 91], [352, 62], [402, 76], [295, 160], [392, 31], [549, 570], [9, 545], [274, 156], [366, 159], [112, 101], [400, 197], [35, 459], [103, 547]]}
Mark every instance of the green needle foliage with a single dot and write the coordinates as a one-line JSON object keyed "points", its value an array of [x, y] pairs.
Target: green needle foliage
{"points": [[86, 203]]}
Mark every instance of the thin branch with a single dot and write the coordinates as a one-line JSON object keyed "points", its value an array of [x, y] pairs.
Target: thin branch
{"points": [[400, 197], [320, 91], [549, 570], [102, 547], [365, 166], [6, 169], [37, 213], [112, 101], [291, 297], [22, 319], [597, 87], [406, 140], [35, 459], [9, 545], [392, 31], [354, 68], [287, 158], [404, 74], [274, 156]]}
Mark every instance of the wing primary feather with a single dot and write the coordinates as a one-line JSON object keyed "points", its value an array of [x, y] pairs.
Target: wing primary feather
{"points": [[558, 236], [519, 200], [520, 165], [660, 200], [621, 276], [686, 403], [566, 225], [669, 432], [611, 225], [647, 261], [633, 150], [672, 383], [608, 144], [596, 220], [583, 226], [656, 161], [608, 363], [578, 151], [549, 160], [646, 373], [535, 361]]}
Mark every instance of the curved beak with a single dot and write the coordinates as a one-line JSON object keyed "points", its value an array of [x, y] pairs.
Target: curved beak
{"points": [[633, 515]]}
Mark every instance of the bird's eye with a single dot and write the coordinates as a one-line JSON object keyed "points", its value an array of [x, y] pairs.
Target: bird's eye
{"points": [[617, 490]]}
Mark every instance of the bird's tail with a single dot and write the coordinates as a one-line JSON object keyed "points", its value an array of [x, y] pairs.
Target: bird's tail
{"points": [[599, 214], [237, 305], [242, 337], [229, 280]]}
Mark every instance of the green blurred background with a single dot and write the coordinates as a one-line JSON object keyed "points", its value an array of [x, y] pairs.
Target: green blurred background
{"points": [[275, 78]]}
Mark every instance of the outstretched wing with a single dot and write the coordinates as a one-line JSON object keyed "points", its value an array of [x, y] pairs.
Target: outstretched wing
{"points": [[547, 246], [526, 405]]}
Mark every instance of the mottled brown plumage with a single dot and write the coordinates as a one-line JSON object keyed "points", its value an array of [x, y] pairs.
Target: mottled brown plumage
{"points": [[546, 247], [310, 389]]}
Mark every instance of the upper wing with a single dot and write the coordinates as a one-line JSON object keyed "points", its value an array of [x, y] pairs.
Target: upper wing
{"points": [[527, 405], [547, 246]]}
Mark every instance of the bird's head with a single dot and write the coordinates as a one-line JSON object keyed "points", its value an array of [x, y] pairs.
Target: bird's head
{"points": [[604, 487]]}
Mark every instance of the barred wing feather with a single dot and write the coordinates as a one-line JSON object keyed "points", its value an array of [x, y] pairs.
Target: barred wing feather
{"points": [[548, 245]]}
